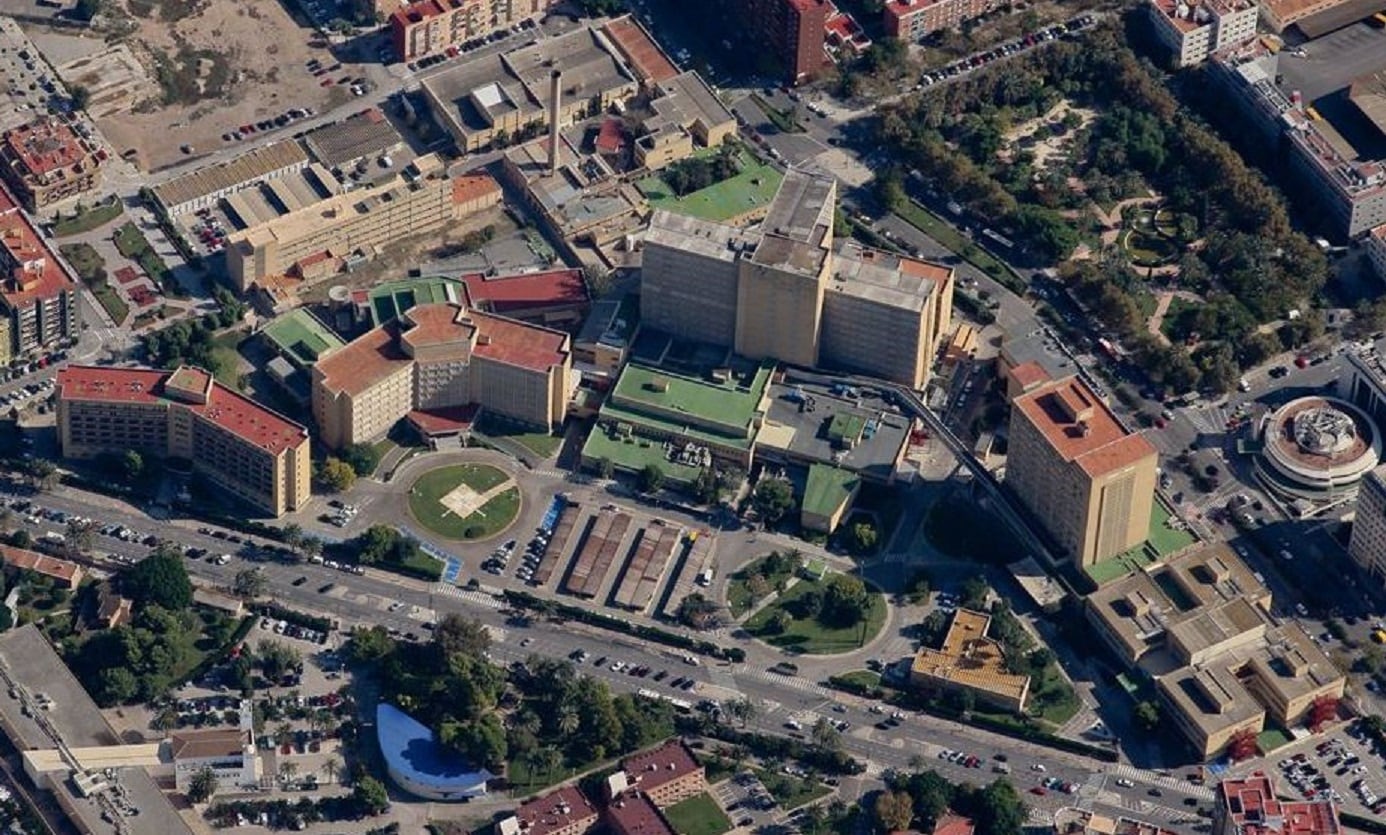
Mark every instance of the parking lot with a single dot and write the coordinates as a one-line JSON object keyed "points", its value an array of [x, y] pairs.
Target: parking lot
{"points": [[30, 89], [981, 59], [1346, 769]]}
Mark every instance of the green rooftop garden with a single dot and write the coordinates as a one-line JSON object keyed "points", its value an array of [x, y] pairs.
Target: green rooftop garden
{"points": [[827, 489], [389, 300], [1162, 541], [702, 408], [299, 335]]}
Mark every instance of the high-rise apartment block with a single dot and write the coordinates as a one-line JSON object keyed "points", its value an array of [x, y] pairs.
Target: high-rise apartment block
{"points": [[435, 362], [792, 31], [784, 291], [1368, 543], [910, 20], [38, 299], [431, 26], [1089, 481], [239, 445], [47, 162], [1193, 30]]}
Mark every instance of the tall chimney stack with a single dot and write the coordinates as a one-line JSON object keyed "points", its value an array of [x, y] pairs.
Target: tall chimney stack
{"points": [[555, 107]]}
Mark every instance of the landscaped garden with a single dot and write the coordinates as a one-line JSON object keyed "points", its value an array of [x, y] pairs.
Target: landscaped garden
{"points": [[821, 617], [698, 815], [87, 218], [465, 501], [759, 578], [91, 268]]}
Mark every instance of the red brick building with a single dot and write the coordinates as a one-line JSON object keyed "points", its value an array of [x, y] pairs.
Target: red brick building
{"points": [[910, 20], [668, 774], [792, 30]]}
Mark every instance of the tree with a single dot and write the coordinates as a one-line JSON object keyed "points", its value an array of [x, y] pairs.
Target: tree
{"points": [[598, 279], [864, 537], [160, 579], [1148, 715], [336, 475], [203, 785], [362, 457], [975, 592], [80, 536], [132, 464], [825, 735], [43, 474], [458, 635], [605, 468], [743, 710], [249, 583], [845, 601], [21, 539], [779, 622], [707, 487], [894, 811], [772, 499], [333, 767], [117, 685], [651, 479], [288, 771]]}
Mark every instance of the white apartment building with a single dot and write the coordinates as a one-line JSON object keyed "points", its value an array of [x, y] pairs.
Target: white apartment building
{"points": [[1193, 30]]}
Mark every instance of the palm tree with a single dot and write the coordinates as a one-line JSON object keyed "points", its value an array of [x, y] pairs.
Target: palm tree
{"points": [[287, 771], [283, 735], [552, 761], [568, 720], [535, 760], [312, 546], [333, 767]]}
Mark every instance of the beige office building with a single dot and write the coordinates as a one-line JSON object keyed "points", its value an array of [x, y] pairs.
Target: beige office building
{"points": [[422, 200], [1088, 480], [257, 454], [1368, 544], [437, 359], [970, 662], [784, 291], [1200, 625]]}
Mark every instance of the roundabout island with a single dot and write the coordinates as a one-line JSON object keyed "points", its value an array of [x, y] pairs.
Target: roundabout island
{"points": [[465, 502]]}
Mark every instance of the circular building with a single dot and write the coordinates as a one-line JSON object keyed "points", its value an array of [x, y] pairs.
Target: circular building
{"points": [[1319, 448], [419, 764]]}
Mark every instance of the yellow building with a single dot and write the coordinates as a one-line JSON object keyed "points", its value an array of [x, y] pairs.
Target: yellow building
{"points": [[435, 360], [241, 446], [970, 662], [786, 292], [1088, 480], [1200, 625], [422, 200], [431, 26]]}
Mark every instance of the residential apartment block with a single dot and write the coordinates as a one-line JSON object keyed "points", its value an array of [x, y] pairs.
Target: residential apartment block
{"points": [[970, 662], [431, 26], [1348, 186], [47, 162], [791, 31], [422, 200], [783, 291], [566, 811], [1200, 625], [437, 362], [667, 775], [1368, 544], [37, 294], [1088, 481], [1251, 806], [1192, 31], [242, 447], [910, 20], [1375, 244]]}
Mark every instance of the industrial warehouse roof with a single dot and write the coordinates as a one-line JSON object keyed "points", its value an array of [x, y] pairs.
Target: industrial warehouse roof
{"points": [[243, 169], [367, 134]]}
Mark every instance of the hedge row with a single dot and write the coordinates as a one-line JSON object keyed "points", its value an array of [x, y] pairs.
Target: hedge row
{"points": [[525, 600], [773, 747], [856, 688], [1352, 821]]}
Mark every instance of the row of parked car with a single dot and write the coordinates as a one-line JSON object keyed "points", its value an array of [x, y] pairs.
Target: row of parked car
{"points": [[981, 59], [469, 46]]}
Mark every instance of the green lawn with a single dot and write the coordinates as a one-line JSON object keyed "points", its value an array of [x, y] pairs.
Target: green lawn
{"points": [[938, 229], [542, 444], [522, 782], [698, 815], [488, 520], [791, 792], [781, 119], [131, 243], [739, 597], [110, 300], [754, 187], [89, 219], [1272, 739], [1055, 697], [810, 637]]}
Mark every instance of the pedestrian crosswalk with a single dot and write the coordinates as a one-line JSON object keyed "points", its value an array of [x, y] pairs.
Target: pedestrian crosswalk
{"points": [[477, 597], [1172, 783], [790, 681]]}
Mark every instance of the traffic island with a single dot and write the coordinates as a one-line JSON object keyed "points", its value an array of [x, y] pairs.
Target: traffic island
{"points": [[828, 616], [465, 501]]}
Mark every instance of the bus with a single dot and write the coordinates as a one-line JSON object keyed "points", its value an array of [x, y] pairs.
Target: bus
{"points": [[1312, 113], [1378, 20], [1379, 636]]}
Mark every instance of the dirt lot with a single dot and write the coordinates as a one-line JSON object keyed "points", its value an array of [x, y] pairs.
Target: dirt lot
{"points": [[214, 66]]}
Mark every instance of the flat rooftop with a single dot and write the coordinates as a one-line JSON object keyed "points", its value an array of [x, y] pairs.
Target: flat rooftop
{"points": [[725, 411], [300, 335], [510, 294], [646, 58], [553, 812], [1252, 808], [47, 145], [971, 659], [649, 770], [685, 100], [701, 237], [803, 208], [1080, 428], [886, 278], [828, 489], [388, 300], [806, 436]]}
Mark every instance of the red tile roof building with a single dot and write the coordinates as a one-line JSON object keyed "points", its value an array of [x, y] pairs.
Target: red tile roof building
{"points": [[669, 774], [1089, 480], [68, 574], [38, 296], [432, 26], [1249, 807], [439, 357], [245, 448], [551, 297], [46, 162], [648, 61], [566, 811], [952, 823], [635, 814]]}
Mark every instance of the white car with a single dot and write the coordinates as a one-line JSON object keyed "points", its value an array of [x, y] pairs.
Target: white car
{"points": [[1125, 783], [1038, 767]]}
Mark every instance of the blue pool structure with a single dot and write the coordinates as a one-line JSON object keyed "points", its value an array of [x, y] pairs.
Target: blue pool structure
{"points": [[419, 764], [551, 517]]}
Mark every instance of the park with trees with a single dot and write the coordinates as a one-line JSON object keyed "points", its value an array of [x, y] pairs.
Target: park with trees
{"points": [[1225, 236]]}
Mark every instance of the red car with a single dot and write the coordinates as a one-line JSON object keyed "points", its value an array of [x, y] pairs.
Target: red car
{"points": [[1039, 790]]}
